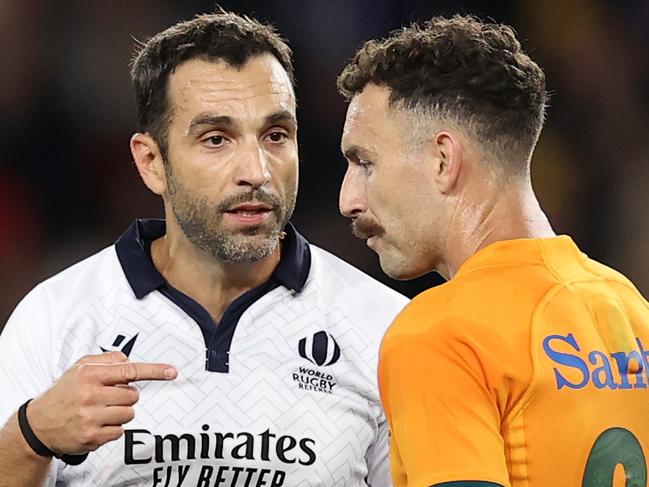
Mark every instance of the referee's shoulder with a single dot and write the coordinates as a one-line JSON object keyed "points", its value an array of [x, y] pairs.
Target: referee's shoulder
{"points": [[337, 276], [346, 286], [90, 277], [61, 299]]}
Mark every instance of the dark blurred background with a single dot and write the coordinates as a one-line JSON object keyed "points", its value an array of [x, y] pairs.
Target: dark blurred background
{"points": [[68, 186]]}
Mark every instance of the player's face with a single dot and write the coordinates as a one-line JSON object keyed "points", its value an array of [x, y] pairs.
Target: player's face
{"points": [[388, 190], [232, 167]]}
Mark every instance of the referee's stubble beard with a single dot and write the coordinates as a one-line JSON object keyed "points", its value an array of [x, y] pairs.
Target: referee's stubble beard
{"points": [[203, 221], [231, 186]]}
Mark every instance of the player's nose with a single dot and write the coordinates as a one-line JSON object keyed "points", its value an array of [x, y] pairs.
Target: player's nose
{"points": [[352, 200]]}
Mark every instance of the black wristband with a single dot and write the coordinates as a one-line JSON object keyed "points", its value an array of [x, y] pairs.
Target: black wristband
{"points": [[37, 445], [30, 437]]}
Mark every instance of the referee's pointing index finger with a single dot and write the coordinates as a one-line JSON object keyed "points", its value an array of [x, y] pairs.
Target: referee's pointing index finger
{"points": [[126, 372]]}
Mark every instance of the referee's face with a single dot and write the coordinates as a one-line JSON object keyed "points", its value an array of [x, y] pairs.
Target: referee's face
{"points": [[232, 167]]}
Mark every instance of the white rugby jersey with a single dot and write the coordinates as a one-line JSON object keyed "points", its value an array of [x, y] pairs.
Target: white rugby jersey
{"points": [[281, 392]]}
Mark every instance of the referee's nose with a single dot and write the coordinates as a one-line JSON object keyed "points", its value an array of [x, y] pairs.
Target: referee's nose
{"points": [[254, 168], [353, 194]]}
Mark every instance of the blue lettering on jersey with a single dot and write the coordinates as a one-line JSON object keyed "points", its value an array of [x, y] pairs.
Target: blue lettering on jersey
{"points": [[609, 371]]}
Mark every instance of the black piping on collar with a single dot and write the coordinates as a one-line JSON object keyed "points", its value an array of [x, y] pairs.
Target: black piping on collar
{"points": [[133, 252], [135, 258]]}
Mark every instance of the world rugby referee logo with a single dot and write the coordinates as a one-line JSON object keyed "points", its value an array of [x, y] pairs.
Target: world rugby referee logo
{"points": [[320, 349]]}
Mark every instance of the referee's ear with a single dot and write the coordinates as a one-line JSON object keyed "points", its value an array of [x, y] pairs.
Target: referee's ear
{"points": [[149, 162]]}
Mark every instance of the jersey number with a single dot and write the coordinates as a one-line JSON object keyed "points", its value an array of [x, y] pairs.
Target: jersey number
{"points": [[615, 446]]}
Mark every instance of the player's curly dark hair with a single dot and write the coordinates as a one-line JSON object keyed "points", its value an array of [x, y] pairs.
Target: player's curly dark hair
{"points": [[471, 72], [218, 36]]}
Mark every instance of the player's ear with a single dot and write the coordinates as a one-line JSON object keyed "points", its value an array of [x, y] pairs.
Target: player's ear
{"points": [[149, 162], [448, 149]]}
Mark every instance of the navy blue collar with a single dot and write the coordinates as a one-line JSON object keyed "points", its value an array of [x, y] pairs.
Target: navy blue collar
{"points": [[133, 252]]}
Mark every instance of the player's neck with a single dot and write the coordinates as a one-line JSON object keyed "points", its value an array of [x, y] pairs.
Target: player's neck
{"points": [[512, 212], [211, 283]]}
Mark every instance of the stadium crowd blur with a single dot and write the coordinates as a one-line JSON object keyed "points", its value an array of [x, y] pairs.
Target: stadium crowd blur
{"points": [[68, 186]]}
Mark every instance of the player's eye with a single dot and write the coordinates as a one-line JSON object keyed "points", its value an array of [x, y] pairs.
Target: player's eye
{"points": [[364, 164]]}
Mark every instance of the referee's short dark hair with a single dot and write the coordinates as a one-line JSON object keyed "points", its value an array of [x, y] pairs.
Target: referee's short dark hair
{"points": [[218, 36]]}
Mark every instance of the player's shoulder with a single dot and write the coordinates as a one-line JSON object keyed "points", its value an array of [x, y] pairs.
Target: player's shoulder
{"points": [[429, 311], [604, 272], [352, 289], [486, 301]]}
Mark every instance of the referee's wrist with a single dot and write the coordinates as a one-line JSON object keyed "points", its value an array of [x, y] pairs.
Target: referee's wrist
{"points": [[35, 443], [26, 451], [33, 439]]}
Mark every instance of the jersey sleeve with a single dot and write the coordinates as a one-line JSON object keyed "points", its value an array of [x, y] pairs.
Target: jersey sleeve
{"points": [[26, 361], [26, 364], [377, 457], [443, 416]]}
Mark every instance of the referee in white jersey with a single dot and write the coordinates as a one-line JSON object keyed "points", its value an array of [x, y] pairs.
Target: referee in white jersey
{"points": [[216, 347]]}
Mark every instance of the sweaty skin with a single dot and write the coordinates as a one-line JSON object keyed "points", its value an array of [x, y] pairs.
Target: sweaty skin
{"points": [[437, 200]]}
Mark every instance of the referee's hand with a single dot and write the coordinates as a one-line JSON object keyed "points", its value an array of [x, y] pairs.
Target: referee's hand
{"points": [[91, 401]]}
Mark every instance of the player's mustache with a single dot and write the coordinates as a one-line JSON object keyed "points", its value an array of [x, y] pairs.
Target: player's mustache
{"points": [[366, 228], [255, 196]]}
